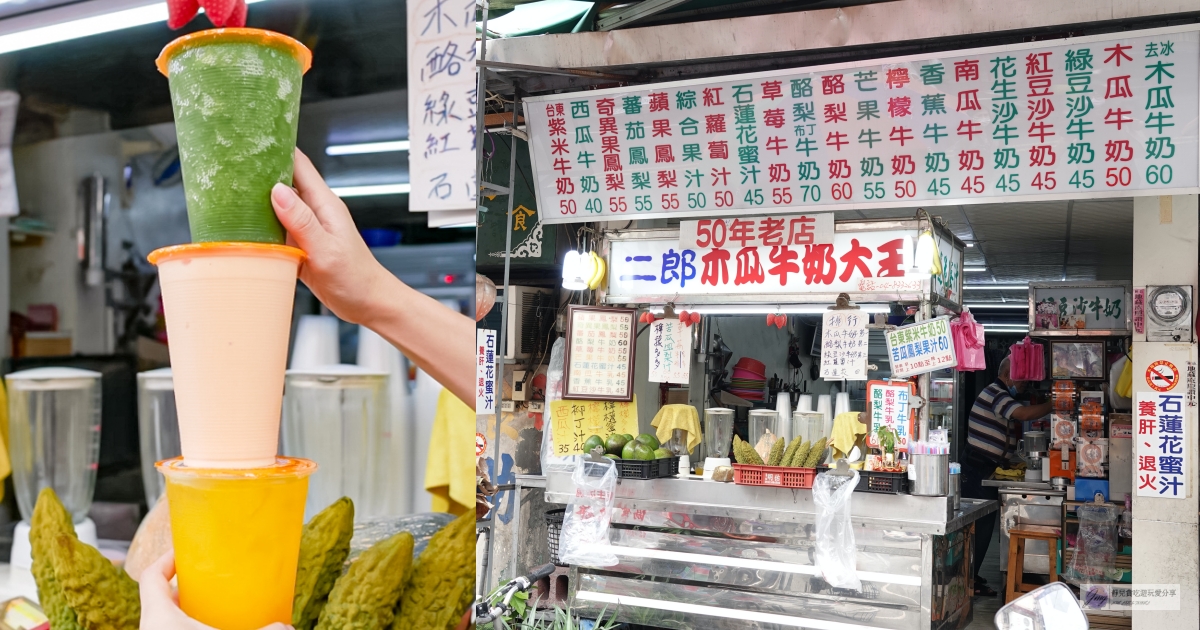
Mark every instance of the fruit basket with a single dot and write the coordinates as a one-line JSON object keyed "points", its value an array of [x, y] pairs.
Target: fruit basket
{"points": [[777, 476], [660, 468]]}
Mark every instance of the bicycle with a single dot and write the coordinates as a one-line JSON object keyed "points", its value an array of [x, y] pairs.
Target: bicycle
{"points": [[497, 607]]}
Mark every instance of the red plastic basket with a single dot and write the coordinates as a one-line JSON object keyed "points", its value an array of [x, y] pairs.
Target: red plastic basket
{"points": [[777, 476]]}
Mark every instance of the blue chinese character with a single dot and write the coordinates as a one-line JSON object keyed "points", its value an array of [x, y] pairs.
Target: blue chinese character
{"points": [[1170, 403], [678, 266]]}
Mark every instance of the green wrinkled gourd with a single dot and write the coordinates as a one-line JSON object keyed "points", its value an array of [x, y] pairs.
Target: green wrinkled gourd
{"points": [[50, 520], [442, 586], [324, 546], [801, 455], [103, 595], [815, 455], [776, 454], [365, 597], [788, 454]]}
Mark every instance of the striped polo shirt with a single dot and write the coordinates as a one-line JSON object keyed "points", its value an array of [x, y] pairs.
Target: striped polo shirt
{"points": [[988, 429]]}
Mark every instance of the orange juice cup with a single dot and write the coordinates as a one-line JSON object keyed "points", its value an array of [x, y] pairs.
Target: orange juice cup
{"points": [[229, 310], [237, 540]]}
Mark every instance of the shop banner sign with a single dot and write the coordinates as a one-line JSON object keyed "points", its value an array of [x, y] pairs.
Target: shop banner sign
{"points": [[1086, 308], [573, 421], [844, 340], [1104, 116], [1161, 445], [890, 407], [855, 262], [921, 348], [770, 231], [670, 352], [442, 98], [485, 371]]}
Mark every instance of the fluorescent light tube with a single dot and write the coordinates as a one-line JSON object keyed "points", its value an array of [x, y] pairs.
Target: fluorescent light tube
{"points": [[367, 147], [372, 191], [1012, 305], [974, 269], [69, 29], [996, 287]]}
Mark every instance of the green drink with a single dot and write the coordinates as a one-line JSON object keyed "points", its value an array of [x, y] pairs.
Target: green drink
{"points": [[236, 97]]}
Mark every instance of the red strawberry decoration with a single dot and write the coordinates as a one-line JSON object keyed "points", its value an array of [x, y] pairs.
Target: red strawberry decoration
{"points": [[685, 318], [695, 318], [222, 13], [770, 319], [219, 10], [237, 19], [180, 12], [780, 321]]}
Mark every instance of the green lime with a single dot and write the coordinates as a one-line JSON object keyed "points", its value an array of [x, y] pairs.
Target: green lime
{"points": [[660, 453], [593, 442], [615, 444], [642, 452], [649, 440], [627, 452]]}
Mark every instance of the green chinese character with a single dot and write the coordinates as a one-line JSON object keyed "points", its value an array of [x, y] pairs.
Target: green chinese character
{"points": [[866, 76], [1160, 148], [1003, 113], [583, 135], [685, 99], [743, 94], [1079, 60], [1079, 106], [935, 132], [632, 104], [1004, 67], [1158, 71], [1078, 128], [637, 155], [869, 137], [1080, 153], [635, 130], [641, 180], [933, 104], [936, 163], [689, 127], [691, 153], [580, 109], [802, 88], [743, 114], [1006, 158], [871, 167], [933, 74], [1159, 98], [868, 110], [804, 112]]}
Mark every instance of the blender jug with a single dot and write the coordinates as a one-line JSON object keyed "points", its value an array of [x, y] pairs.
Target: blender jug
{"points": [[336, 415], [718, 437], [54, 440], [763, 421], [158, 428]]}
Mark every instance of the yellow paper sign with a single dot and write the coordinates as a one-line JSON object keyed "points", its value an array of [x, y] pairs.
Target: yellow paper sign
{"points": [[573, 421]]}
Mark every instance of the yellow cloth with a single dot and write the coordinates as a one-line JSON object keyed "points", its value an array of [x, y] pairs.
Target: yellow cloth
{"points": [[1125, 380], [5, 463], [846, 430], [450, 470], [1009, 474], [682, 417]]}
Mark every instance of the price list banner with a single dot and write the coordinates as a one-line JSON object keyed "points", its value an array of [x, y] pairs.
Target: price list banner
{"points": [[921, 348], [670, 352], [890, 408], [1109, 116], [844, 341], [574, 421], [442, 96], [600, 353]]}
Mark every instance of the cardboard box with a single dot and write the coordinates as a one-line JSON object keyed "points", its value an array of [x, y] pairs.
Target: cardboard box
{"points": [[46, 344]]}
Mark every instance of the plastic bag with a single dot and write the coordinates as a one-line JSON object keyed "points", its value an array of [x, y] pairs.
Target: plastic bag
{"points": [[968, 342], [1095, 557], [584, 537], [1028, 362], [554, 379], [836, 553]]}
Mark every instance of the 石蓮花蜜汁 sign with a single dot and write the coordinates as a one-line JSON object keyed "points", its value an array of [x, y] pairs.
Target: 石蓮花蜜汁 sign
{"points": [[1160, 444], [921, 348], [1105, 116]]}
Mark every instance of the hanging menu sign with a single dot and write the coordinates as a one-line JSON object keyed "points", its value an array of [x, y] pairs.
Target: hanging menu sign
{"points": [[574, 421], [1161, 445], [844, 340], [485, 371], [670, 352], [1104, 116], [890, 407], [600, 353], [921, 348]]}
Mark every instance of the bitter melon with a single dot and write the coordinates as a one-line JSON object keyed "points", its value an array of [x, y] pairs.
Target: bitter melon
{"points": [[365, 597], [815, 455], [324, 546], [443, 580], [801, 455], [776, 454], [103, 595], [50, 520]]}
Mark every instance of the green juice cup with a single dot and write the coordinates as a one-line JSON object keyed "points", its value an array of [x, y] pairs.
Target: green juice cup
{"points": [[236, 96]]}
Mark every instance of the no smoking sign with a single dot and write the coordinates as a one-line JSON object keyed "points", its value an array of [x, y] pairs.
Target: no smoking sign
{"points": [[1162, 376]]}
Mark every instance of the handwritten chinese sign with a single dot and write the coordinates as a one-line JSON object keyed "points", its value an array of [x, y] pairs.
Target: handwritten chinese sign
{"points": [[855, 262], [670, 352], [889, 407], [1139, 311], [600, 353], [1106, 116], [737, 233], [844, 339], [1091, 308], [573, 421], [485, 371], [1161, 445], [442, 98], [921, 348]]}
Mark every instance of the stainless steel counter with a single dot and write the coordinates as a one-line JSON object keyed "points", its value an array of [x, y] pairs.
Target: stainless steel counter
{"points": [[695, 553]]}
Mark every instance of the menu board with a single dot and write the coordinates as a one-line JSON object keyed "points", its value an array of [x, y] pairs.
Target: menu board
{"points": [[921, 348], [844, 340], [485, 371], [889, 406], [600, 353], [442, 97], [670, 352], [1069, 307], [1105, 116], [573, 421], [1161, 445]]}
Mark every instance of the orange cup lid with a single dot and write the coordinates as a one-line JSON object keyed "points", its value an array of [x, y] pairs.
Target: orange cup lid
{"points": [[228, 248], [283, 467], [244, 35]]}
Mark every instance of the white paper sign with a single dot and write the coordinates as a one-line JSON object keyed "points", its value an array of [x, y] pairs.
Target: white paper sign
{"points": [[921, 348], [1161, 445], [844, 340], [670, 351], [485, 371], [1106, 116], [734, 234], [442, 86]]}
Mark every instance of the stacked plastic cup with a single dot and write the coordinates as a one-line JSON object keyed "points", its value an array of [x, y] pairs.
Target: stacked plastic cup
{"points": [[237, 508]]}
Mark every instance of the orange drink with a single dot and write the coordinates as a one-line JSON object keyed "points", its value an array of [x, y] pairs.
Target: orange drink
{"points": [[237, 540]]}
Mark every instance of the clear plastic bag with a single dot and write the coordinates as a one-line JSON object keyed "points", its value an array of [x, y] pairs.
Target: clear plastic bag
{"points": [[836, 554], [584, 537], [1095, 557], [554, 379]]}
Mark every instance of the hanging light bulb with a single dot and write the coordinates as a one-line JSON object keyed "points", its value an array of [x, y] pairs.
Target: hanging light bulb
{"points": [[574, 275], [923, 260]]}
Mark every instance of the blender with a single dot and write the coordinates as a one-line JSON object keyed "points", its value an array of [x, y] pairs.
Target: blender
{"points": [[1034, 447], [158, 428], [718, 438], [764, 423], [54, 439], [337, 415]]}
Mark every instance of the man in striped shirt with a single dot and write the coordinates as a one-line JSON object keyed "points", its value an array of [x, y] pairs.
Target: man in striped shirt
{"points": [[992, 432]]}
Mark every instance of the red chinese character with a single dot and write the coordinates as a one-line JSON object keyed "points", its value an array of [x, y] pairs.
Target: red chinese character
{"points": [[899, 106], [1147, 408], [749, 269], [712, 97], [1040, 109], [718, 150], [1118, 117], [1146, 426], [559, 147], [970, 129], [1118, 54], [663, 153], [839, 169], [1040, 130], [716, 267], [564, 186], [612, 162], [660, 128], [605, 106], [966, 70], [776, 144], [853, 259], [720, 177], [1042, 155], [772, 90], [774, 118], [832, 84], [901, 135], [666, 179], [562, 165], [1147, 481], [970, 160], [608, 144], [1037, 63], [659, 102], [741, 231], [800, 231], [836, 139], [784, 258], [889, 265], [770, 231], [968, 100], [1118, 87], [614, 181], [897, 77], [1118, 151], [1148, 462], [558, 126], [903, 165], [819, 265], [779, 173], [835, 112], [714, 123]]}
